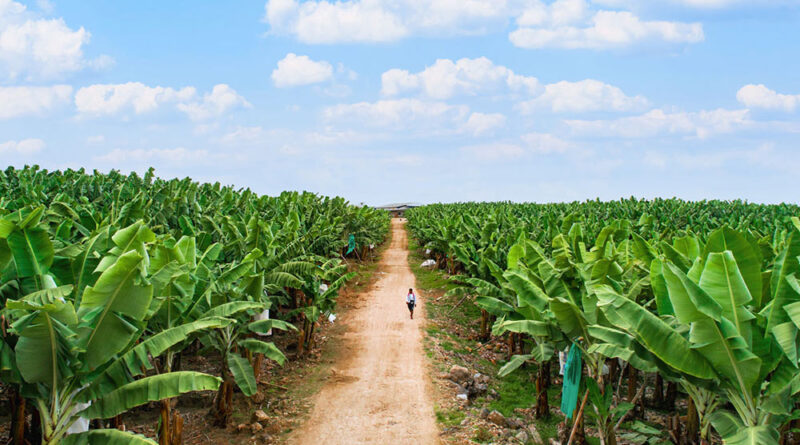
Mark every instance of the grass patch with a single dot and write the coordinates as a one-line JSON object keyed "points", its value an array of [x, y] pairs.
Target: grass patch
{"points": [[482, 436], [449, 418], [516, 391]]}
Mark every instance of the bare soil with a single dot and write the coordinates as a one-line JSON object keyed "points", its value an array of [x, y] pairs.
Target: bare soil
{"points": [[379, 389]]}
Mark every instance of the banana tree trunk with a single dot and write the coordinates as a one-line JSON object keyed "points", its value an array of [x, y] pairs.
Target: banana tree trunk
{"points": [[692, 423], [633, 375], [257, 363], [34, 434], [222, 408], [658, 393], [484, 325], [116, 422], [164, 430], [613, 370], [510, 343], [310, 336], [542, 403], [18, 418]]}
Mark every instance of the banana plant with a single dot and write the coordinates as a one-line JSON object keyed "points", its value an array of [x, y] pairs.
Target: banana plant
{"points": [[531, 317], [711, 307], [319, 293], [62, 351], [236, 294]]}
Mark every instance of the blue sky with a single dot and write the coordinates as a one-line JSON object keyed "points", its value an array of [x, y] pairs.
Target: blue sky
{"points": [[413, 100]]}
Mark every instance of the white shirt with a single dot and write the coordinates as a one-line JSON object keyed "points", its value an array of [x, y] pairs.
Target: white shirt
{"points": [[411, 298]]}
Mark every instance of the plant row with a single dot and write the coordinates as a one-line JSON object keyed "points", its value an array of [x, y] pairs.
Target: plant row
{"points": [[710, 307], [108, 282]]}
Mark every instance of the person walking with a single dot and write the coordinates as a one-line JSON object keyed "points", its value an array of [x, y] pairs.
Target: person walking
{"points": [[411, 302]]}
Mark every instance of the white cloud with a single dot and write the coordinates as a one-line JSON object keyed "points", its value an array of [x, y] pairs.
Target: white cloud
{"points": [[294, 70], [445, 79], [657, 122], [243, 134], [222, 99], [22, 147], [327, 21], [323, 22], [570, 24], [494, 151], [544, 143], [759, 96], [562, 23], [135, 96], [175, 155], [583, 96], [480, 124], [109, 99], [398, 113], [36, 47], [696, 4], [25, 101], [530, 144], [719, 4]]}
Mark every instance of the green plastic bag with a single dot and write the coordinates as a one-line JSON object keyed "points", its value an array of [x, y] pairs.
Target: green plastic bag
{"points": [[351, 244], [572, 381]]}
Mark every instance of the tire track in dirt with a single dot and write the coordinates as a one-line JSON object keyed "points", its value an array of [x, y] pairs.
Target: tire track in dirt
{"points": [[379, 390]]}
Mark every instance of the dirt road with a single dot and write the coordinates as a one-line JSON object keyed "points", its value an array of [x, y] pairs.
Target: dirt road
{"points": [[379, 391]]}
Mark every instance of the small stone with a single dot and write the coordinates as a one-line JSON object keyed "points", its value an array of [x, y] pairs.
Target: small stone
{"points": [[496, 418], [484, 413], [533, 432], [522, 436], [259, 416], [459, 374], [513, 423], [242, 427], [461, 396]]}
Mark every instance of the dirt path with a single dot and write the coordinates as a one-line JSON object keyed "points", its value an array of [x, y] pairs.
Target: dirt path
{"points": [[379, 391]]}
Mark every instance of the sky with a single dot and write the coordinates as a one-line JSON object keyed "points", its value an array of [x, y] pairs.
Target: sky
{"points": [[424, 101]]}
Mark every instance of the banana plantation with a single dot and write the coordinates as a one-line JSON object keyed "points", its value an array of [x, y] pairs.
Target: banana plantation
{"points": [[689, 308], [109, 282]]}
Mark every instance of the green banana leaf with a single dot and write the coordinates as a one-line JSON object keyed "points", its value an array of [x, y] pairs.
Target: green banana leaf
{"points": [[108, 436], [138, 359], [261, 347], [264, 326], [32, 251], [513, 364], [149, 389], [242, 374], [110, 307], [655, 334]]}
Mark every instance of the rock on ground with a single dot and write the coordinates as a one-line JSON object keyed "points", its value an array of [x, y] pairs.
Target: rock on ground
{"points": [[459, 374], [498, 419]]}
